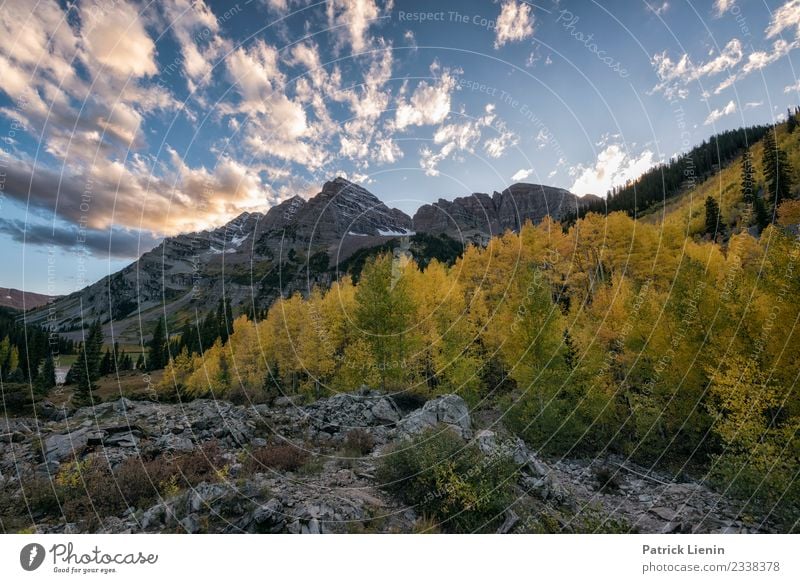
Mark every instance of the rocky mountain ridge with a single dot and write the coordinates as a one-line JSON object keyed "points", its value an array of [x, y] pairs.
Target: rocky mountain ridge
{"points": [[479, 217], [294, 246]]}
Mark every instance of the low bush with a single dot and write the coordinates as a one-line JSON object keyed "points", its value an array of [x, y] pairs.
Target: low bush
{"points": [[86, 491], [285, 457], [450, 482], [358, 442]]}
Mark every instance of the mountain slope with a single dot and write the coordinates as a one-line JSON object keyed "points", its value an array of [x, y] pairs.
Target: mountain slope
{"points": [[21, 300], [296, 245]]}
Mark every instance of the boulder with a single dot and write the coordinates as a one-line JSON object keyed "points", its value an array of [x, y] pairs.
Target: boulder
{"points": [[345, 411], [535, 475], [451, 410], [269, 517], [61, 446], [173, 443]]}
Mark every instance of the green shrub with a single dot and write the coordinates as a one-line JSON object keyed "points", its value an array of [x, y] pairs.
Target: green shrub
{"points": [[450, 482], [768, 486]]}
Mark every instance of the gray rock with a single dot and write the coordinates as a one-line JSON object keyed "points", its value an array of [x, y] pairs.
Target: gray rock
{"points": [[451, 410], [174, 443], [122, 405], [509, 522], [121, 440], [385, 411], [61, 446], [153, 517], [269, 517], [191, 524]]}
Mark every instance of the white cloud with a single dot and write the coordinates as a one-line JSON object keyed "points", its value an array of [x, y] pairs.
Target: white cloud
{"points": [[515, 23], [754, 104], [497, 145], [614, 167], [353, 19], [722, 6], [521, 174], [787, 16], [659, 9], [117, 39], [717, 114], [278, 5], [454, 138], [197, 32], [792, 88], [760, 59], [674, 76], [429, 104], [731, 55], [388, 151]]}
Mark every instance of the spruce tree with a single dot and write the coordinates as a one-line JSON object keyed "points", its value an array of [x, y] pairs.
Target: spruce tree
{"points": [[762, 216], [748, 177], [106, 363], [158, 356], [140, 361], [87, 370], [783, 182], [769, 162], [47, 376], [713, 219]]}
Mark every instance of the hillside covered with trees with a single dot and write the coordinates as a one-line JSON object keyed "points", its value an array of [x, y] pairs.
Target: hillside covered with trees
{"points": [[674, 348]]}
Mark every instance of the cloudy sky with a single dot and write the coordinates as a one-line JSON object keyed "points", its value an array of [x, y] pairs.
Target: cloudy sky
{"points": [[123, 122]]}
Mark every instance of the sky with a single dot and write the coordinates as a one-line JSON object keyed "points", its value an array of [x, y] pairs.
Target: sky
{"points": [[124, 122]]}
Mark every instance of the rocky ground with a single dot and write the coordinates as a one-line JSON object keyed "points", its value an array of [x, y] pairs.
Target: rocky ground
{"points": [[331, 488]]}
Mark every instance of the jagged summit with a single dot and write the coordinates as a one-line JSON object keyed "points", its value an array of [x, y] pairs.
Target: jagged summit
{"points": [[295, 245], [343, 208], [480, 216]]}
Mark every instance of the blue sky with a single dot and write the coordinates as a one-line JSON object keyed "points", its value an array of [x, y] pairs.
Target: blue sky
{"points": [[125, 122]]}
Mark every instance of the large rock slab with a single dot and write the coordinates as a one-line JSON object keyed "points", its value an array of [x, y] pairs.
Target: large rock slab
{"points": [[450, 410]]}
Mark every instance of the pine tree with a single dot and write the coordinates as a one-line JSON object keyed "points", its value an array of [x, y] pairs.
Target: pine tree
{"points": [[713, 218], [783, 184], [769, 162], [87, 370], [778, 173], [140, 362], [158, 356], [224, 319], [116, 358], [748, 179], [791, 121], [762, 216], [46, 379], [106, 363]]}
